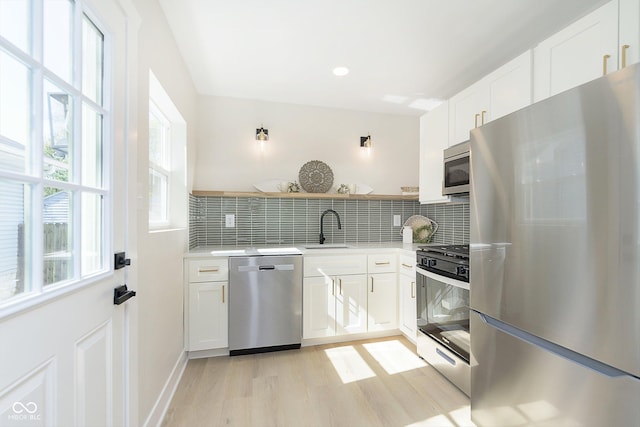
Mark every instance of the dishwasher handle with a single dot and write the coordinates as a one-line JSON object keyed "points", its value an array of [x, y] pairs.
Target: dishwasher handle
{"points": [[267, 267]]}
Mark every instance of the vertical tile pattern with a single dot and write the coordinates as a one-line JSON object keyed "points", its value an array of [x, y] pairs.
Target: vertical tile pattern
{"points": [[260, 221]]}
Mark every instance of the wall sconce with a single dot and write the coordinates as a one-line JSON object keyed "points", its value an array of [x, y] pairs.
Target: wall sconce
{"points": [[365, 141], [262, 134]]}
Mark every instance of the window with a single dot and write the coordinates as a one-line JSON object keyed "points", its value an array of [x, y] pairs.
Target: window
{"points": [[159, 166], [53, 189], [167, 161]]}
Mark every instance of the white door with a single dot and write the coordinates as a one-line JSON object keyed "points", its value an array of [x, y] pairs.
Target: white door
{"points": [[351, 304], [318, 307], [382, 302], [66, 348]]}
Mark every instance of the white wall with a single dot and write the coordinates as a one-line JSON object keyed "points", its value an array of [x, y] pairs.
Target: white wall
{"points": [[160, 276], [229, 158]]}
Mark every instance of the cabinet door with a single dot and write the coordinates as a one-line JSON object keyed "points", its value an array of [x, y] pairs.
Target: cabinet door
{"points": [[629, 31], [434, 138], [351, 304], [318, 307], [509, 87], [408, 311], [465, 111], [208, 311], [577, 54], [382, 302]]}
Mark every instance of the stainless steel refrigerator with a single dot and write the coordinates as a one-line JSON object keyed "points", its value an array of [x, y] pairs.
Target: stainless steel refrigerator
{"points": [[555, 260]]}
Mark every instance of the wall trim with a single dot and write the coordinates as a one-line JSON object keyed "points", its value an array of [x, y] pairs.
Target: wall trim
{"points": [[161, 406]]}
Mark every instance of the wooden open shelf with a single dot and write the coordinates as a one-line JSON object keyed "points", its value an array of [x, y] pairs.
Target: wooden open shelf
{"points": [[305, 195]]}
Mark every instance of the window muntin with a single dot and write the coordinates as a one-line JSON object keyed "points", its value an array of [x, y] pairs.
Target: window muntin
{"points": [[52, 149]]}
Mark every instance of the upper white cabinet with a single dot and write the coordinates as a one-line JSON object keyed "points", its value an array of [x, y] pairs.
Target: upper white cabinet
{"points": [[434, 138], [581, 52], [629, 32], [504, 91]]}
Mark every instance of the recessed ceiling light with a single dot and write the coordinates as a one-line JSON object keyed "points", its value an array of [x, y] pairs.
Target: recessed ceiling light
{"points": [[340, 71]]}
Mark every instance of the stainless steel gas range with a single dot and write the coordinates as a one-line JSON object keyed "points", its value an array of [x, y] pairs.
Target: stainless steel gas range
{"points": [[443, 311]]}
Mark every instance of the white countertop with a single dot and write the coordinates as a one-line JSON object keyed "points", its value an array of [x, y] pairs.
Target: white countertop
{"points": [[305, 249]]}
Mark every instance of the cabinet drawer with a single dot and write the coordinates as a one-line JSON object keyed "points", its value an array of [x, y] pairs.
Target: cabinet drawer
{"points": [[208, 270], [407, 265], [334, 265], [382, 263]]}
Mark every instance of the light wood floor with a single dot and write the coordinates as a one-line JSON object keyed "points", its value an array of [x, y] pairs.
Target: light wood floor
{"points": [[379, 382]]}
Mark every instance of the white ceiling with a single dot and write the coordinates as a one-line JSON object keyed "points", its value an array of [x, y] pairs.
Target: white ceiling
{"points": [[400, 52]]}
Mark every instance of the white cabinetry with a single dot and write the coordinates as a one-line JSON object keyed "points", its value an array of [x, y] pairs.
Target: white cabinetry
{"points": [[382, 298], [579, 53], [434, 138], [407, 285], [334, 295], [207, 299], [629, 32], [504, 91]]}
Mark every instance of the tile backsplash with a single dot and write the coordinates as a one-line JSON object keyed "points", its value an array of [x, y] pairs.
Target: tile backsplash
{"points": [[263, 221]]}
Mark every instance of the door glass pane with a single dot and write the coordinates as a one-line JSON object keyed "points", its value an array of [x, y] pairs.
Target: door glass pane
{"points": [[15, 112], [13, 238], [91, 147], [57, 29], [15, 23], [58, 132], [91, 233], [158, 188], [57, 220], [92, 61]]}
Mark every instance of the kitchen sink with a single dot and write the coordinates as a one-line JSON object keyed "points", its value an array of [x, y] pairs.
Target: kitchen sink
{"points": [[328, 246]]}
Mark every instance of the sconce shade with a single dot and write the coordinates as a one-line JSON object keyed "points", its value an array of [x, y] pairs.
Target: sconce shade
{"points": [[262, 134], [365, 141]]}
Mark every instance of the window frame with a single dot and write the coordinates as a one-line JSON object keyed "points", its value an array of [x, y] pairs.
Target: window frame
{"points": [[32, 176]]}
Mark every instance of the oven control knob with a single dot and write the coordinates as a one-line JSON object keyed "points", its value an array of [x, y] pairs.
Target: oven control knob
{"points": [[461, 271], [431, 263]]}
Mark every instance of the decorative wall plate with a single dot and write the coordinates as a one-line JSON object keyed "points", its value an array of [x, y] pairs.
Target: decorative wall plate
{"points": [[315, 177], [423, 228]]}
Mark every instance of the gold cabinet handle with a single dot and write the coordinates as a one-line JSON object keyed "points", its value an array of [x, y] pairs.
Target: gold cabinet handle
{"points": [[340, 283], [604, 64], [406, 265], [476, 121], [624, 55], [383, 262], [483, 113], [372, 285], [208, 270], [223, 294], [413, 289], [333, 287]]}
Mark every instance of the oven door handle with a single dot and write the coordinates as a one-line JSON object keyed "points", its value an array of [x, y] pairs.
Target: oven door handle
{"points": [[443, 279]]}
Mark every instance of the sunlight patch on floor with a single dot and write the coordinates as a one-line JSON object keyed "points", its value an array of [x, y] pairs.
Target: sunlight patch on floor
{"points": [[437, 421], [349, 365], [394, 357]]}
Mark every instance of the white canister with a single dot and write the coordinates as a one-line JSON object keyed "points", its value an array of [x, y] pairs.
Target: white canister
{"points": [[407, 234]]}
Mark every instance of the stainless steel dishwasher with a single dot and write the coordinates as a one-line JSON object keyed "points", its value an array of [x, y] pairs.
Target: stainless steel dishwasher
{"points": [[265, 303]]}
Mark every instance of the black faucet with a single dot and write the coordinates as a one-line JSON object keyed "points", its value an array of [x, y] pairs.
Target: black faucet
{"points": [[322, 239]]}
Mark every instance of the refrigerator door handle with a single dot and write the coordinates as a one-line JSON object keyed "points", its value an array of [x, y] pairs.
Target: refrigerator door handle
{"points": [[570, 355]]}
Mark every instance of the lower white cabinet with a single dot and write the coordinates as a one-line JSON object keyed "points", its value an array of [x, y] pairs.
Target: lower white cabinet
{"points": [[407, 304], [206, 303], [382, 302], [334, 305], [208, 315]]}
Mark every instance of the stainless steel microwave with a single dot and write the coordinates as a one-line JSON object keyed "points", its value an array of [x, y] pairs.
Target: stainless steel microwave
{"points": [[456, 169]]}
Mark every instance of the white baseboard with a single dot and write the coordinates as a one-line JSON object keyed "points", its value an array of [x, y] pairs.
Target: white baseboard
{"points": [[161, 406], [350, 337]]}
